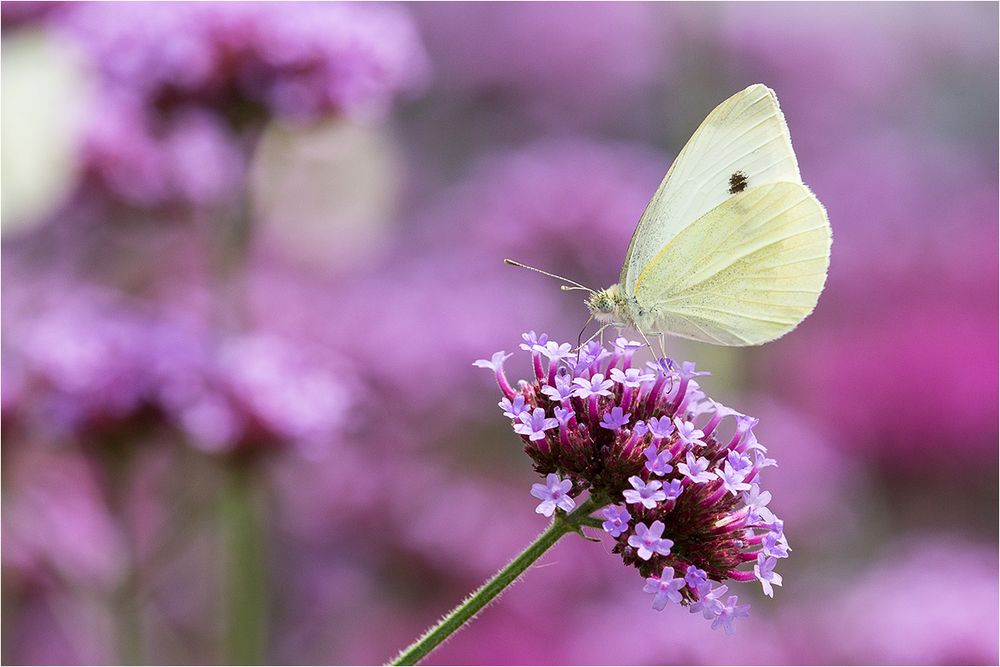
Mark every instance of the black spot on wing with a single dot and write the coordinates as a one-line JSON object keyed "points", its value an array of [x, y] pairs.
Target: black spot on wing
{"points": [[737, 182]]}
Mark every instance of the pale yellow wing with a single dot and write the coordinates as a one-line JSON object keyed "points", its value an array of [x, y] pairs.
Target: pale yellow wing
{"points": [[745, 273], [743, 143]]}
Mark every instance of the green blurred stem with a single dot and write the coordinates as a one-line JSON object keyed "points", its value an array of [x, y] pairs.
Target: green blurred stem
{"points": [[128, 612], [491, 590], [245, 597], [112, 462]]}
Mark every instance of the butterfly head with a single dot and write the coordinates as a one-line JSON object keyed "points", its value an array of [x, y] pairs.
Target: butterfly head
{"points": [[607, 305]]}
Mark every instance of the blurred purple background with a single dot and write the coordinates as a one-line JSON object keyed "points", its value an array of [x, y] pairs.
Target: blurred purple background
{"points": [[250, 252]]}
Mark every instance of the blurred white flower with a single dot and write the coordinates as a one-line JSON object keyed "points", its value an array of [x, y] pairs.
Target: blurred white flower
{"points": [[45, 90], [325, 192]]}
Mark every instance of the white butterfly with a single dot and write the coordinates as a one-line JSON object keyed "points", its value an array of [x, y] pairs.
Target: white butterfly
{"points": [[733, 249]]}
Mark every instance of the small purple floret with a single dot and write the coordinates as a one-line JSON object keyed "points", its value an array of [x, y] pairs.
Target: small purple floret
{"points": [[649, 541], [665, 589], [512, 409], [774, 545], [642, 492], [556, 352], [695, 577], [532, 342], [633, 377], [660, 427], [764, 571], [728, 613], [495, 363], [688, 433], [708, 600], [615, 419], [616, 520], [534, 424], [594, 386], [657, 462], [732, 479], [673, 489], [696, 469], [562, 390], [553, 495]]}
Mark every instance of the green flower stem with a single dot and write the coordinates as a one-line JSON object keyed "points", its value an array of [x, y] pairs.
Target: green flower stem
{"points": [[463, 613], [245, 598]]}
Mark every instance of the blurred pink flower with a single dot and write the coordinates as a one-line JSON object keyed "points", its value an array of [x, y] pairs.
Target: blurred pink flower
{"points": [[813, 477], [55, 520], [563, 64], [90, 357], [571, 202], [80, 353], [856, 66], [182, 83], [927, 601]]}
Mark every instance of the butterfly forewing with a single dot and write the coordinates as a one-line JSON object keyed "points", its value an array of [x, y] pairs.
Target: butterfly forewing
{"points": [[742, 144], [744, 273]]}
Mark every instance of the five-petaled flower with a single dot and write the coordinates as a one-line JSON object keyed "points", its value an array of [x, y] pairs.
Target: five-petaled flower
{"points": [[694, 577], [764, 570], [657, 462], [774, 544], [649, 541], [660, 427], [732, 480], [512, 409], [534, 424], [533, 342], [630, 377], [665, 588], [562, 391], [695, 469], [615, 419], [593, 386], [688, 434], [615, 519], [553, 495], [728, 612], [646, 493], [556, 352], [673, 489]]}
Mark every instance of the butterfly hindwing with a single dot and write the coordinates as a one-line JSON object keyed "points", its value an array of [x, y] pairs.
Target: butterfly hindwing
{"points": [[744, 273]]}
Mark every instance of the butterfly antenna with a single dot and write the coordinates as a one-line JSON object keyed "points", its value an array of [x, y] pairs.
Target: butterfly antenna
{"points": [[573, 285]]}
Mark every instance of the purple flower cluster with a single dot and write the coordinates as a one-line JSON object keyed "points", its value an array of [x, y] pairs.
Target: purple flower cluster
{"points": [[94, 360], [180, 83], [680, 497]]}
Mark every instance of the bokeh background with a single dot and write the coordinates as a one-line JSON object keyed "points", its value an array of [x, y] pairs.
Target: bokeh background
{"points": [[250, 252]]}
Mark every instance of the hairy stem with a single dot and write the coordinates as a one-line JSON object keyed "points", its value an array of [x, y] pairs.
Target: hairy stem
{"points": [[491, 590]]}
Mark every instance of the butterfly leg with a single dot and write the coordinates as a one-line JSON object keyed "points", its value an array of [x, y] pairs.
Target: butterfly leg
{"points": [[663, 350], [646, 340], [660, 360]]}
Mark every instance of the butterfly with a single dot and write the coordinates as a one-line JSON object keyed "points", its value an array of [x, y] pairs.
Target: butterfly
{"points": [[733, 249]]}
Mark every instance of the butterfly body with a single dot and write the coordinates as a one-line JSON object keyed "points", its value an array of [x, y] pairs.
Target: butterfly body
{"points": [[612, 306], [733, 248]]}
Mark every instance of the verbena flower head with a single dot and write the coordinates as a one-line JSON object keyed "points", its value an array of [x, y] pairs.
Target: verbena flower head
{"points": [[678, 472]]}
